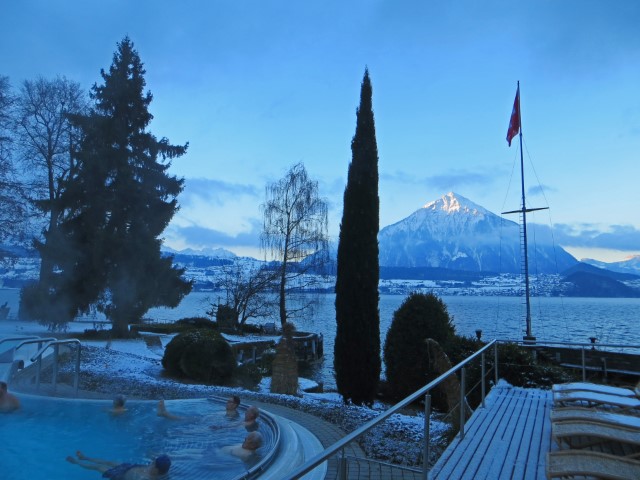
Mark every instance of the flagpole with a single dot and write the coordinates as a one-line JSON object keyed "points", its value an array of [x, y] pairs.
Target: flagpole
{"points": [[528, 338], [515, 126]]}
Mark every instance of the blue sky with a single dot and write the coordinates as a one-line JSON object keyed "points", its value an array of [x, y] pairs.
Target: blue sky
{"points": [[256, 87]]}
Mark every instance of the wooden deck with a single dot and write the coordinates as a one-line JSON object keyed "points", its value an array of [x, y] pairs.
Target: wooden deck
{"points": [[507, 439]]}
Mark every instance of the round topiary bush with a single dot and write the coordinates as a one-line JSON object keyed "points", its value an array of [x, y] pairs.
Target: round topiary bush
{"points": [[406, 356], [202, 355], [173, 352]]}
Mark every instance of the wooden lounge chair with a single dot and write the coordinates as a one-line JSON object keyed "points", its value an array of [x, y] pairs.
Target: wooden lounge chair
{"points": [[593, 387], [579, 434], [595, 399], [595, 415], [571, 463]]}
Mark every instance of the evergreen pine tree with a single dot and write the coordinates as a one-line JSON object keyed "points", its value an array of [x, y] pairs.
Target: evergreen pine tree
{"points": [[357, 344], [117, 202]]}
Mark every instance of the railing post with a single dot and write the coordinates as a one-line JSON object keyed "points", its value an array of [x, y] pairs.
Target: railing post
{"points": [[342, 466], [76, 380], [54, 380], [38, 369], [462, 402], [482, 374], [427, 436], [495, 361], [584, 369]]}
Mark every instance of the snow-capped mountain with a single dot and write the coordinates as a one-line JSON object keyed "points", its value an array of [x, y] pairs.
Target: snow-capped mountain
{"points": [[630, 265], [205, 252], [453, 232]]}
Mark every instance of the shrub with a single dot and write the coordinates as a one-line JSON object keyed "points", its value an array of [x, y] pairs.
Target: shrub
{"points": [[458, 349], [202, 355], [420, 316], [179, 326], [265, 363], [197, 322], [517, 365], [173, 353], [248, 375]]}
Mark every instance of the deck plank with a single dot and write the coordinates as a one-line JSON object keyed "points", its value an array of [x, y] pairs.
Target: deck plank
{"points": [[509, 438]]}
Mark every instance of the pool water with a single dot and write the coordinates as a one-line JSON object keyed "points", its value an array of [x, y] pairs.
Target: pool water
{"points": [[37, 439]]}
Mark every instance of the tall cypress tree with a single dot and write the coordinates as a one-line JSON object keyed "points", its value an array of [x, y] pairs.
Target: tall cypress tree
{"points": [[117, 201], [357, 343]]}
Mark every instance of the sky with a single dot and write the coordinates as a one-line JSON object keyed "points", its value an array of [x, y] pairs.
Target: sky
{"points": [[256, 87]]}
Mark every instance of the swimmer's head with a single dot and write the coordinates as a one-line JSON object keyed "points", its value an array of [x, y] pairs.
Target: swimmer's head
{"points": [[162, 463], [253, 441]]}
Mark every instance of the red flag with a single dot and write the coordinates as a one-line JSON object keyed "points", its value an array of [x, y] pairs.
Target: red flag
{"points": [[514, 122]]}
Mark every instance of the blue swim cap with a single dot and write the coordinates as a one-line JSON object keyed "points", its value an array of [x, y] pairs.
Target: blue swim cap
{"points": [[163, 462]]}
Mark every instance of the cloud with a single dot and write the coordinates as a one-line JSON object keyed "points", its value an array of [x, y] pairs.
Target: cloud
{"points": [[216, 192], [617, 237], [539, 190], [202, 237], [453, 180]]}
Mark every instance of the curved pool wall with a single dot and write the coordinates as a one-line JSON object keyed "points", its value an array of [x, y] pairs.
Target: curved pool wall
{"points": [[297, 445], [46, 430]]}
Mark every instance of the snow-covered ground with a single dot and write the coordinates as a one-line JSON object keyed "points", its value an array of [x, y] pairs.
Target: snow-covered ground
{"points": [[132, 368]]}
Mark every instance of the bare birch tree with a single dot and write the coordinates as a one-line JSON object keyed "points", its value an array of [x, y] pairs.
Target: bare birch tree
{"points": [[295, 234]]}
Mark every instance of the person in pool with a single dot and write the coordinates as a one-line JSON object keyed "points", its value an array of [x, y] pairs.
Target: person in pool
{"points": [[246, 449], [163, 412], [231, 409], [123, 471], [118, 405], [251, 418], [8, 401], [250, 421]]}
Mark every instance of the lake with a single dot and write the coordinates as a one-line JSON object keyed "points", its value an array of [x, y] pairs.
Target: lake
{"points": [[610, 320]]}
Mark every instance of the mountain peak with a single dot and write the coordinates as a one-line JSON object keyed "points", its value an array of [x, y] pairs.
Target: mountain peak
{"points": [[453, 232], [451, 203]]}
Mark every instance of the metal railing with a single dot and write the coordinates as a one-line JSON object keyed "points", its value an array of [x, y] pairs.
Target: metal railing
{"points": [[589, 351], [31, 340], [43, 343], [340, 445], [56, 351], [14, 339]]}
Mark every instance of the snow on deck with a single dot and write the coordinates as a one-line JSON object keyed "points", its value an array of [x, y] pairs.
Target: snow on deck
{"points": [[508, 438]]}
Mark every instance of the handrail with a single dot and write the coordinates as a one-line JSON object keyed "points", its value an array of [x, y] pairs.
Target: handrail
{"points": [[573, 344], [344, 441], [26, 340], [340, 444], [12, 351], [13, 339], [35, 340], [56, 343], [584, 347]]}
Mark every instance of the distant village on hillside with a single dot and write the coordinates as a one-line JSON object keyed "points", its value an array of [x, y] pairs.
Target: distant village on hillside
{"points": [[207, 273]]}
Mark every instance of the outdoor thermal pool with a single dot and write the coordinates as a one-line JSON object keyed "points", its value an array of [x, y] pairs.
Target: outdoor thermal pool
{"points": [[38, 438]]}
